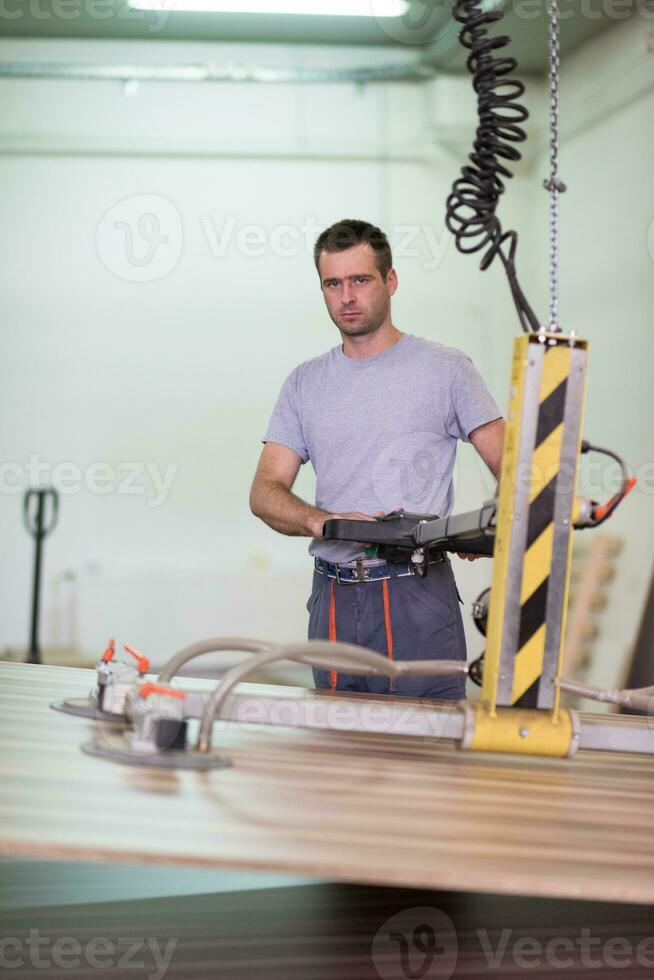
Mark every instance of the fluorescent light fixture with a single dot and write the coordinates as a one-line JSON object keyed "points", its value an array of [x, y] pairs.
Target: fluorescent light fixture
{"points": [[328, 8]]}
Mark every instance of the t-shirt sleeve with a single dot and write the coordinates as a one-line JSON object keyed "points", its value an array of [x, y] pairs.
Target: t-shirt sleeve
{"points": [[285, 426], [472, 403]]}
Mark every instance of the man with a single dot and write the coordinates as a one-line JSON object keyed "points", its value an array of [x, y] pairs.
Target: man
{"points": [[379, 417]]}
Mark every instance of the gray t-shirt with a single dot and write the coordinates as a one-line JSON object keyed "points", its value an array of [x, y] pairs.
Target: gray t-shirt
{"points": [[381, 431]]}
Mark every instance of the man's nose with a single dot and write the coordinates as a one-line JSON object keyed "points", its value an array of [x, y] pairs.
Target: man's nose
{"points": [[347, 296]]}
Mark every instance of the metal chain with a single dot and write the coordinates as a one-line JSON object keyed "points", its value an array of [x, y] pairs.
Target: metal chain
{"points": [[554, 184]]}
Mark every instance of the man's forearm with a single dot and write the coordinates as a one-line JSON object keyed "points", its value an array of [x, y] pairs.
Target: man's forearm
{"points": [[282, 510]]}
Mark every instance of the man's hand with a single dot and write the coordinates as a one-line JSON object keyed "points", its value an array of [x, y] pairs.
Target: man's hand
{"points": [[470, 557], [316, 524]]}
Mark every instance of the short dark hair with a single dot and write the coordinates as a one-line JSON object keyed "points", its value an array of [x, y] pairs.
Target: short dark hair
{"points": [[350, 232]]}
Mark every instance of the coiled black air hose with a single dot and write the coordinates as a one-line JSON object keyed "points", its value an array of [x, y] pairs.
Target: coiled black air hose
{"points": [[471, 205]]}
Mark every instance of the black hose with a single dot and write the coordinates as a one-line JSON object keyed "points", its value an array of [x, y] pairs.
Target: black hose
{"points": [[471, 205], [587, 447]]}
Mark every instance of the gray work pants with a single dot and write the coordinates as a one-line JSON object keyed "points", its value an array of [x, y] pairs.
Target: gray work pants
{"points": [[408, 618]]}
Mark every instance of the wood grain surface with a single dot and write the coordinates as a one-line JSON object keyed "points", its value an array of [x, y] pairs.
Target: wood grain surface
{"points": [[360, 808]]}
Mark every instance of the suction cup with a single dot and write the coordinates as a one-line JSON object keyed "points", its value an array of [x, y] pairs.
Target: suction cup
{"points": [[87, 708], [118, 748]]}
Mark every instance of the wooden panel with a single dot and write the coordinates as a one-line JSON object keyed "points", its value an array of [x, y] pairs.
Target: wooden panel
{"points": [[366, 808]]}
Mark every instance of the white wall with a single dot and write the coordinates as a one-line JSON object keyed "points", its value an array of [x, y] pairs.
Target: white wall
{"points": [[183, 370], [607, 294]]}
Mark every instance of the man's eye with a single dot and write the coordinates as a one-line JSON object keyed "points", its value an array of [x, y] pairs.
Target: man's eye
{"points": [[361, 279]]}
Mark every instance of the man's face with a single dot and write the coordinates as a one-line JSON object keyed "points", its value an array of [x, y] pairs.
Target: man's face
{"points": [[358, 299]]}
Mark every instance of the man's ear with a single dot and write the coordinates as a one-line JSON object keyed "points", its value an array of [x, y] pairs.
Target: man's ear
{"points": [[391, 281]]}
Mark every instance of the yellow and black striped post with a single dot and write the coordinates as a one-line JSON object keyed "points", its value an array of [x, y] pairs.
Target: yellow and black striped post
{"points": [[537, 491]]}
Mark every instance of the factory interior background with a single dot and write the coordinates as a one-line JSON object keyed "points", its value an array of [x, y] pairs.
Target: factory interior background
{"points": [[158, 287]]}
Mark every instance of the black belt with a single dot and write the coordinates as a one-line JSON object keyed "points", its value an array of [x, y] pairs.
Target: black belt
{"points": [[362, 572]]}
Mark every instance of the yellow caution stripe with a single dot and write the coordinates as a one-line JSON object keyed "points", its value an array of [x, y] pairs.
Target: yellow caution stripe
{"points": [[546, 460]]}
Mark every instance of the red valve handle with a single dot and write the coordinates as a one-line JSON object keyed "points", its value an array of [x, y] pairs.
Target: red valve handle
{"points": [[143, 664], [169, 692], [600, 511], [109, 652]]}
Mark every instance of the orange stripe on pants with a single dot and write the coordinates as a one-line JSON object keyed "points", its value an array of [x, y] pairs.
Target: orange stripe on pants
{"points": [[387, 624], [332, 629]]}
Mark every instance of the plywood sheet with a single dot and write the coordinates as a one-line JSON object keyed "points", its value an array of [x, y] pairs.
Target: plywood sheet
{"points": [[379, 809]]}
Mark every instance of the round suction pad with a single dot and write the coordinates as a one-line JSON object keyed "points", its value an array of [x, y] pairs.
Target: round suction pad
{"points": [[86, 708], [118, 749]]}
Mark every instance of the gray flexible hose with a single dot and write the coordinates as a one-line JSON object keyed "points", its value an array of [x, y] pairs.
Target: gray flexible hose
{"points": [[322, 654], [216, 644], [640, 699]]}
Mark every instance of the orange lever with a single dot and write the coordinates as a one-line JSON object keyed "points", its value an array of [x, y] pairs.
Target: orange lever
{"points": [[109, 652], [600, 511], [143, 664], [169, 692]]}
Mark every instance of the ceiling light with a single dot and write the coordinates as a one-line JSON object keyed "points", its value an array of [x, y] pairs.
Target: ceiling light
{"points": [[330, 8]]}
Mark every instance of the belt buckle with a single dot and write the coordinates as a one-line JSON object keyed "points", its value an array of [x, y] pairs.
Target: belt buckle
{"points": [[362, 574]]}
